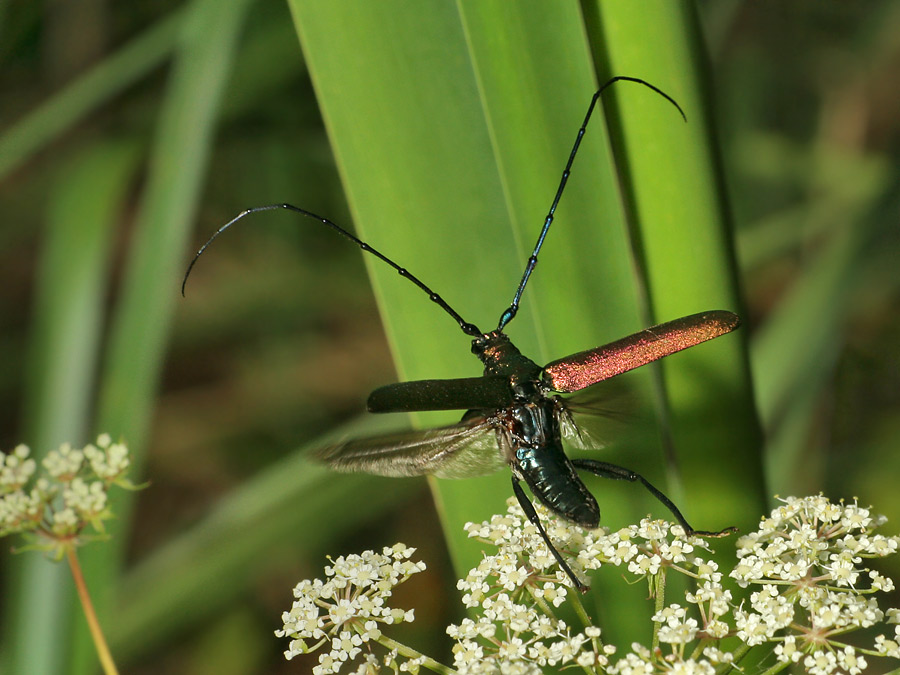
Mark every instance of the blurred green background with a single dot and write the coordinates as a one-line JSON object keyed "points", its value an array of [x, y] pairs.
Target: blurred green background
{"points": [[130, 131]]}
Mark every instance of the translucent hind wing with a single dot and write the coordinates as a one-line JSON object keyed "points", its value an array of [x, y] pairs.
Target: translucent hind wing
{"points": [[595, 418], [462, 450], [580, 425]]}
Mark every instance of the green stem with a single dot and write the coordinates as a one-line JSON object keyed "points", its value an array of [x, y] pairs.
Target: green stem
{"points": [[776, 668], [543, 606], [659, 591], [739, 654], [106, 660], [411, 653], [575, 599], [701, 645]]}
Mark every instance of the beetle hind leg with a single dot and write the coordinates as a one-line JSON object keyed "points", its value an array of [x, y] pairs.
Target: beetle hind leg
{"points": [[615, 472]]}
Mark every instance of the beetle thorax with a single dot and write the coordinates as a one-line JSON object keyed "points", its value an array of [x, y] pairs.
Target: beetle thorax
{"points": [[501, 357]]}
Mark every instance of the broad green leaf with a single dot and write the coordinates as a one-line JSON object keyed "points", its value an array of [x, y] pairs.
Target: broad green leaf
{"points": [[450, 164]]}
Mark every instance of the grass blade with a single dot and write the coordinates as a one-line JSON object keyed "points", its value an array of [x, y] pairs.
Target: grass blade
{"points": [[676, 190], [61, 112], [150, 288], [64, 351]]}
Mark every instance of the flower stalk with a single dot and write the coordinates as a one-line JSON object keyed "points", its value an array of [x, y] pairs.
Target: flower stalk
{"points": [[64, 508], [103, 653]]}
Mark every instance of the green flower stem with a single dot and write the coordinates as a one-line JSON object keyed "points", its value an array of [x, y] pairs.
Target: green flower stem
{"points": [[106, 660], [545, 608], [776, 668], [574, 599], [578, 606], [411, 653], [739, 654], [659, 591], [701, 645]]}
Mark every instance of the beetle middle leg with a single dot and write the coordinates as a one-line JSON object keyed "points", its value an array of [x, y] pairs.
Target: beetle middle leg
{"points": [[615, 472]]}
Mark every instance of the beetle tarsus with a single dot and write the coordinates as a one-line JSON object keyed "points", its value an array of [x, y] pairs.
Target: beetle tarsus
{"points": [[713, 535]]}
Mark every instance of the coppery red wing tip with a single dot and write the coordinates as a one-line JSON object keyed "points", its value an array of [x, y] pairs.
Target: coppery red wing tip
{"points": [[729, 320]]}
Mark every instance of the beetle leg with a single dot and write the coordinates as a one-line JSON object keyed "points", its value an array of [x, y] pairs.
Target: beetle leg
{"points": [[615, 472], [532, 516]]}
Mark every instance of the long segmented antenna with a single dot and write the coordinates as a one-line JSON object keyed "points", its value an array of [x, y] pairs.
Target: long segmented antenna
{"points": [[467, 328], [513, 308]]}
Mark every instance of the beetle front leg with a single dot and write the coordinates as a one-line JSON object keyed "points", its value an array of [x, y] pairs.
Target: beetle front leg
{"points": [[532, 516]]}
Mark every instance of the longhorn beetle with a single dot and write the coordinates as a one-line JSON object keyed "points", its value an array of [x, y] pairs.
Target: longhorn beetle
{"points": [[514, 416]]}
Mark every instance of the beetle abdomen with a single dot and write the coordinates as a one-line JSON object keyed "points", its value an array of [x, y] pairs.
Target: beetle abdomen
{"points": [[553, 481], [534, 440]]}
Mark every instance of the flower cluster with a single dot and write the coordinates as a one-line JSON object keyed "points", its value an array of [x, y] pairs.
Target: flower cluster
{"points": [[522, 558], [807, 561], [804, 564], [346, 611], [522, 636], [54, 510]]}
